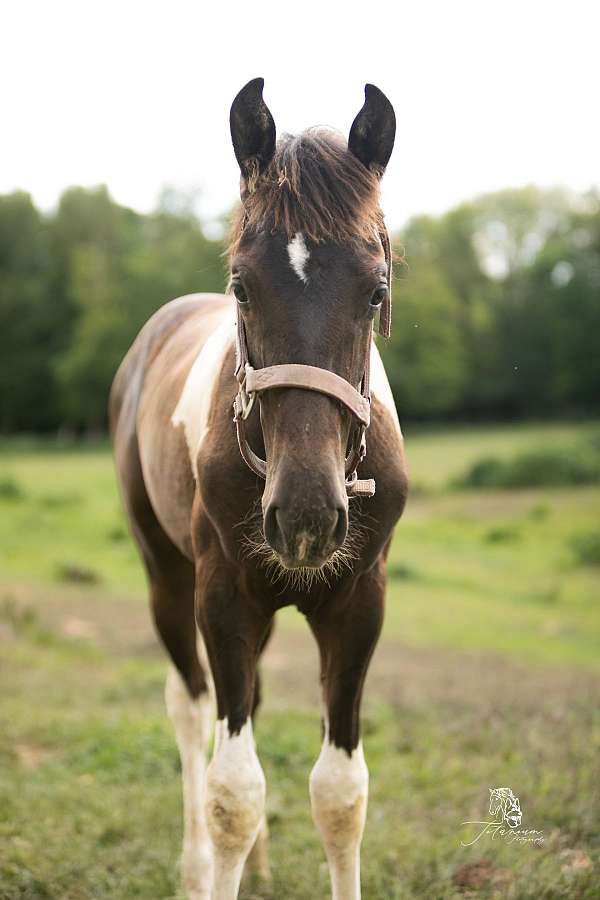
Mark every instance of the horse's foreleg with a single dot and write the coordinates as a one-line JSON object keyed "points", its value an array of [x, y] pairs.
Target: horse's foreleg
{"points": [[235, 799], [188, 704], [347, 628], [192, 720], [258, 859], [233, 629], [338, 792]]}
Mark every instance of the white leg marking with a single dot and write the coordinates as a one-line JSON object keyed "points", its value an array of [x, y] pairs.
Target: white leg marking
{"points": [[258, 859], [338, 793], [192, 722], [299, 255], [235, 802]]}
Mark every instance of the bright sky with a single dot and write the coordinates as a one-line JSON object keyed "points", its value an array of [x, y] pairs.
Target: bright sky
{"points": [[488, 93]]}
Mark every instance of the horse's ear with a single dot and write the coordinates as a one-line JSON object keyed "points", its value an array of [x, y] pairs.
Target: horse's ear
{"points": [[252, 130], [373, 131]]}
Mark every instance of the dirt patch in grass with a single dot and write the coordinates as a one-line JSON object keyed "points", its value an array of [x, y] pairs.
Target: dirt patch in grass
{"points": [[84, 740], [400, 674]]}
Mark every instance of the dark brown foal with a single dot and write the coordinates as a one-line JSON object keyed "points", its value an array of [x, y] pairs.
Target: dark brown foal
{"points": [[235, 521]]}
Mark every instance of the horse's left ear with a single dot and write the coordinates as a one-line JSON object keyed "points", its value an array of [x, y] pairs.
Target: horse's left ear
{"points": [[373, 131], [252, 130]]}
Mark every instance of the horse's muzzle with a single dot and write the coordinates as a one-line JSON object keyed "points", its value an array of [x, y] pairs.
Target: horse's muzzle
{"points": [[305, 538]]}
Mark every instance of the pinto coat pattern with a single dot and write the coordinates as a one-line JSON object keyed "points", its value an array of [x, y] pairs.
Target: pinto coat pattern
{"points": [[223, 549]]}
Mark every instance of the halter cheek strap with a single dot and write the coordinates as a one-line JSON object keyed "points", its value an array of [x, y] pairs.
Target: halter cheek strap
{"points": [[253, 382], [385, 315]]}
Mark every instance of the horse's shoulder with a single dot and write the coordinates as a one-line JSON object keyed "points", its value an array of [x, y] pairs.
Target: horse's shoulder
{"points": [[385, 460], [191, 310], [380, 387]]}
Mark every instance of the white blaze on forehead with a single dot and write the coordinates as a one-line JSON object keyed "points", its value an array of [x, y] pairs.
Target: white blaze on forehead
{"points": [[194, 404], [299, 255]]}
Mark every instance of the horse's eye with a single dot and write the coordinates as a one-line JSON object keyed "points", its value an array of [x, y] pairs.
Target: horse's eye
{"points": [[240, 294], [378, 296]]}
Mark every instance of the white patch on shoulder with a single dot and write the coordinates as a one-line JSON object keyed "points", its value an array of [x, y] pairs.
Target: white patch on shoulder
{"points": [[299, 255], [194, 404], [380, 386]]}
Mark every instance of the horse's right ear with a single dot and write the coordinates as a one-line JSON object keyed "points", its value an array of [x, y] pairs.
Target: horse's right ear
{"points": [[252, 131]]}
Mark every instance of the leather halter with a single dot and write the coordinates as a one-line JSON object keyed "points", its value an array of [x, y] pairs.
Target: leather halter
{"points": [[253, 382]]}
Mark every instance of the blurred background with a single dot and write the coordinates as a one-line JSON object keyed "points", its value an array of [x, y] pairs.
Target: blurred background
{"points": [[116, 185]]}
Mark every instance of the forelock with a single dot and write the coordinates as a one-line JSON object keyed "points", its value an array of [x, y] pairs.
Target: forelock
{"points": [[313, 185]]}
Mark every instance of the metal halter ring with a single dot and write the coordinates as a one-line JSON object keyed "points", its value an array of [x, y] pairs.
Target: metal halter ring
{"points": [[246, 399]]}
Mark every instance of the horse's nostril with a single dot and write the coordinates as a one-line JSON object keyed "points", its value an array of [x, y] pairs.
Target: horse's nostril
{"points": [[305, 536], [340, 529], [270, 525]]}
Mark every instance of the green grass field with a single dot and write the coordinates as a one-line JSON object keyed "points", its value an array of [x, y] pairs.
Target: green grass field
{"points": [[487, 676]]}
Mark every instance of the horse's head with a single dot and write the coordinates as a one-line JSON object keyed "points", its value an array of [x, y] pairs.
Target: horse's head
{"points": [[309, 273]]}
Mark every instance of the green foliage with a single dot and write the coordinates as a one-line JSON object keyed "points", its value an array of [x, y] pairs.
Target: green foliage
{"points": [[10, 489], [29, 323], [538, 467], [75, 288], [586, 548], [400, 571], [425, 358], [496, 307], [501, 535]]}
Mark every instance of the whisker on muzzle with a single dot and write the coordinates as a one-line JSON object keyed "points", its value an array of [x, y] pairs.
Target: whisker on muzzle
{"points": [[341, 561]]}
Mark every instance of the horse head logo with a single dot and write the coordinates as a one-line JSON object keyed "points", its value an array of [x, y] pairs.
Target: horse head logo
{"points": [[503, 800]]}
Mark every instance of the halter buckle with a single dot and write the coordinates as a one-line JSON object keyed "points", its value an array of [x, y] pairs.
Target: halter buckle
{"points": [[359, 487], [246, 400]]}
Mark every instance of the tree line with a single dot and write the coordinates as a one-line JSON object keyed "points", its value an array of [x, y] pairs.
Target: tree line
{"points": [[496, 303]]}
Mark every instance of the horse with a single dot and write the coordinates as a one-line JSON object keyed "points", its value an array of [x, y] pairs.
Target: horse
{"points": [[261, 464]]}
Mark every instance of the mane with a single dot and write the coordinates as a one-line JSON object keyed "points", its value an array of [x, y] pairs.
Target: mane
{"points": [[315, 185]]}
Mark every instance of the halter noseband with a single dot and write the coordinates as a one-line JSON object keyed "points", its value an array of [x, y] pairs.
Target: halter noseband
{"points": [[252, 382]]}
